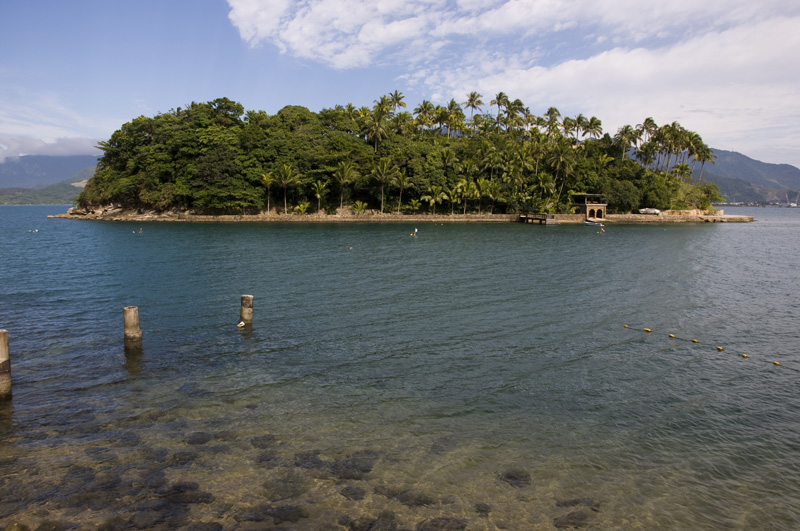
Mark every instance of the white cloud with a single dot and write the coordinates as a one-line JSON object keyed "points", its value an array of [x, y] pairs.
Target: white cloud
{"points": [[13, 146]]}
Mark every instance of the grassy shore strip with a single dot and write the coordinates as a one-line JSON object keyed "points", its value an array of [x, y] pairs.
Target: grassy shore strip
{"points": [[126, 215]]}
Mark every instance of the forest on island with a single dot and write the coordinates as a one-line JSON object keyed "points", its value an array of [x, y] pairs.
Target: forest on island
{"points": [[215, 157]]}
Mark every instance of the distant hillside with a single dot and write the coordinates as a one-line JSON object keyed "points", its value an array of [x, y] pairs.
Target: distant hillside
{"points": [[30, 171], [63, 193], [741, 178]]}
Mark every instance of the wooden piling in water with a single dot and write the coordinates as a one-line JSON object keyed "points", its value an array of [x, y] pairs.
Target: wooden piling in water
{"points": [[5, 366], [246, 311], [132, 331]]}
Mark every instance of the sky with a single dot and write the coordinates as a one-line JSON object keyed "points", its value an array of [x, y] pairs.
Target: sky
{"points": [[71, 73]]}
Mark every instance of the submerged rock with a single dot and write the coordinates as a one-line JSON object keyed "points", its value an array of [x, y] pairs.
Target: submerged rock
{"points": [[516, 478], [587, 502], [309, 459], [183, 458], [262, 442], [287, 513], [268, 460], [355, 466], [286, 487], [353, 493], [483, 509], [199, 437], [55, 526], [386, 521], [205, 526], [408, 498], [573, 519], [284, 513], [186, 492], [442, 523]]}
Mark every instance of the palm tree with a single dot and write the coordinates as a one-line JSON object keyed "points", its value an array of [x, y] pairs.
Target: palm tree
{"points": [[581, 123], [704, 154], [467, 190], [453, 196], [396, 99], [267, 179], [402, 181], [383, 106], [424, 113], [448, 159], [473, 103], [287, 176], [481, 188], [374, 129], [434, 196], [493, 192], [626, 135], [681, 171], [552, 117], [345, 173], [384, 172], [455, 116], [647, 128], [594, 127], [562, 160], [320, 189], [501, 100], [401, 123]]}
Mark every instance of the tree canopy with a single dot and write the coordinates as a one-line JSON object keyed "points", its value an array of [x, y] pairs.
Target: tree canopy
{"points": [[215, 157]]}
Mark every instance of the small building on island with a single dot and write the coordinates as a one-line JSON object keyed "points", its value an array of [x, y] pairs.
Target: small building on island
{"points": [[592, 206]]}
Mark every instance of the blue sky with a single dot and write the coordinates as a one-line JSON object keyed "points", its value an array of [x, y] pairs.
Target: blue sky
{"points": [[73, 72]]}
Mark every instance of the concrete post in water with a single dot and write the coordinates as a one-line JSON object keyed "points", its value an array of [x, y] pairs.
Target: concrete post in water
{"points": [[5, 366], [133, 333], [246, 311]]}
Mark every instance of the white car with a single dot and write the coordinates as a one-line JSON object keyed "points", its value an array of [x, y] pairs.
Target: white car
{"points": [[655, 211]]}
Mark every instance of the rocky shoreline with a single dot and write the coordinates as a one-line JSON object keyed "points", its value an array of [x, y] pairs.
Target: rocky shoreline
{"points": [[119, 214]]}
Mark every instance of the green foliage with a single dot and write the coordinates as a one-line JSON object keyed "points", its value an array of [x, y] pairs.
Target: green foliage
{"points": [[216, 157]]}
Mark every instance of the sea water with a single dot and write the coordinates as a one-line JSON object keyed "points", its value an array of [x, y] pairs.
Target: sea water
{"points": [[477, 376]]}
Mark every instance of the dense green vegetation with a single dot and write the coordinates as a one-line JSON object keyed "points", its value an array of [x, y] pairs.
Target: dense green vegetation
{"points": [[215, 157]]}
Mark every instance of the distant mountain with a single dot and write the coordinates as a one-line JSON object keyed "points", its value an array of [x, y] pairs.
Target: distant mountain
{"points": [[63, 193], [30, 171], [741, 178]]}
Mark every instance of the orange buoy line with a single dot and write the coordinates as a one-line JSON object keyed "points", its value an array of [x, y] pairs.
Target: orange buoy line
{"points": [[719, 348]]}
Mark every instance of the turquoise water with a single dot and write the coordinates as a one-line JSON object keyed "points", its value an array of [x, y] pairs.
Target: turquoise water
{"points": [[475, 372]]}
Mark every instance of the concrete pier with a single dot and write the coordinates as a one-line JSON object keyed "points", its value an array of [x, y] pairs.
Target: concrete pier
{"points": [[246, 311], [133, 334], [5, 366]]}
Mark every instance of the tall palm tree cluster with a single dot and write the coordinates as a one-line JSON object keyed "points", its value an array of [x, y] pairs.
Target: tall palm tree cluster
{"points": [[666, 148], [215, 157]]}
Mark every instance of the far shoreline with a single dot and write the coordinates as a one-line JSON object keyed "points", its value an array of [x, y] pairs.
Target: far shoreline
{"points": [[118, 214]]}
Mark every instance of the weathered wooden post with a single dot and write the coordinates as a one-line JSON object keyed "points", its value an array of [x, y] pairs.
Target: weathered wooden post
{"points": [[133, 334], [5, 366], [246, 311]]}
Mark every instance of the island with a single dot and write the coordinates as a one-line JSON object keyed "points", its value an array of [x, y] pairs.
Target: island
{"points": [[215, 161]]}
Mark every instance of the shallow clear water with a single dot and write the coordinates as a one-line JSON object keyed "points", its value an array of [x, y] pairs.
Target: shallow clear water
{"points": [[471, 364]]}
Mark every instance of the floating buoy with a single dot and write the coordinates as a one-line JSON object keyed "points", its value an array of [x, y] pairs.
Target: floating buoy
{"points": [[776, 363], [672, 335], [694, 341], [624, 326], [647, 330], [719, 348], [744, 355]]}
